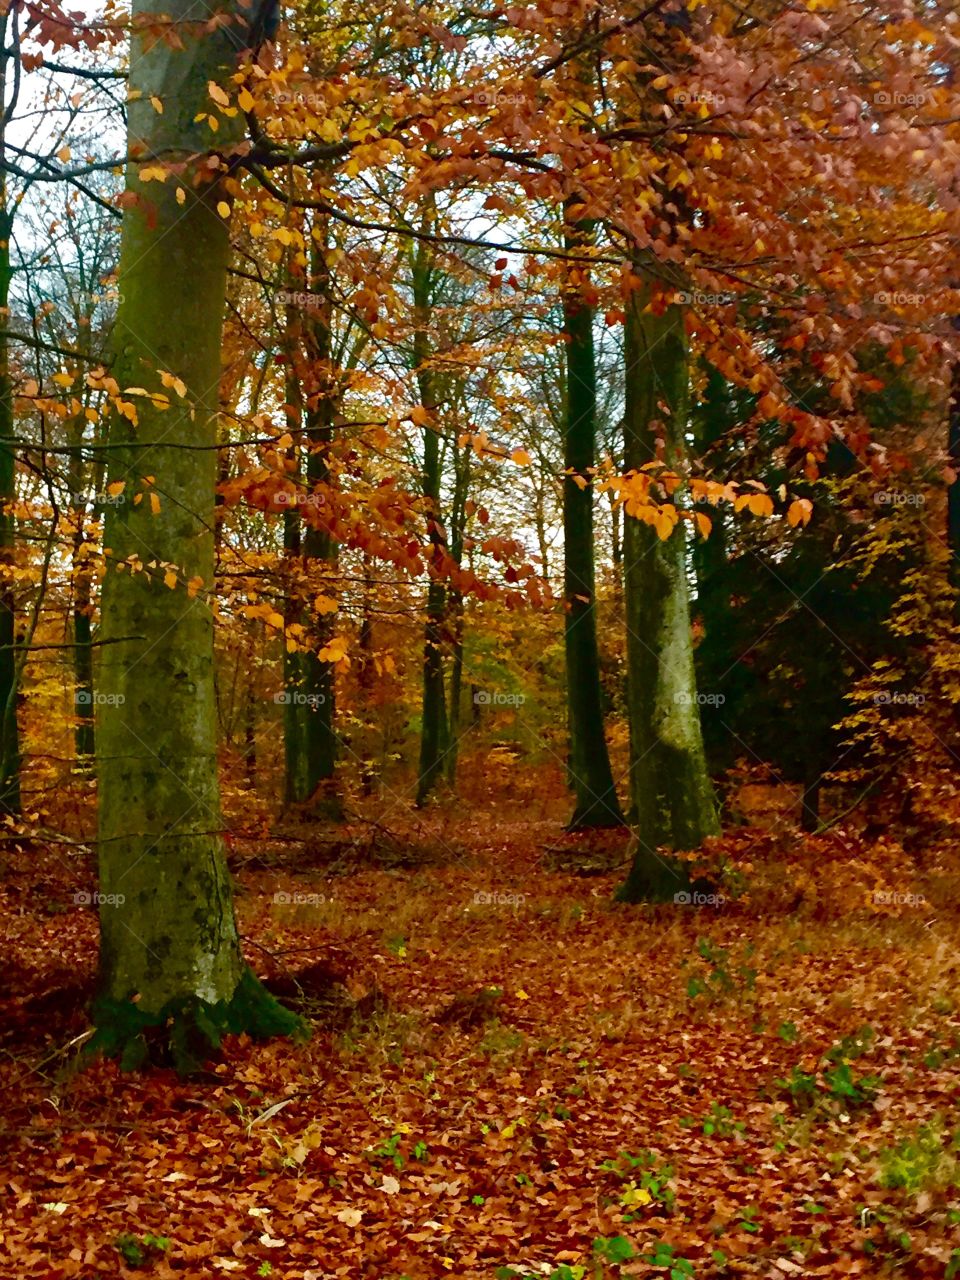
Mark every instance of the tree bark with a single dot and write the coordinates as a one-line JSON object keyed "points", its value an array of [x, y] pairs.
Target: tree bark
{"points": [[595, 796], [672, 803], [434, 728], [171, 967]]}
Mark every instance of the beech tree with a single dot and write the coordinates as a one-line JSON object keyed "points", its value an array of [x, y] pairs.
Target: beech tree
{"points": [[170, 958]]}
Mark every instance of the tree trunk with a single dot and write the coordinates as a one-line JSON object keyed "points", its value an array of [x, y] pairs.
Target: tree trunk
{"points": [[171, 967], [595, 796], [320, 551], [434, 729], [9, 731], [671, 793]]}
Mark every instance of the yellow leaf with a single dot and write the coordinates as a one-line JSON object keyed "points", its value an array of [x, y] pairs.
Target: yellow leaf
{"points": [[703, 523], [522, 995], [181, 195], [324, 604], [521, 457], [63, 379], [193, 586], [217, 94], [117, 486], [761, 504], [63, 154], [153, 173], [170, 579], [157, 105], [223, 209], [154, 504], [245, 99]]}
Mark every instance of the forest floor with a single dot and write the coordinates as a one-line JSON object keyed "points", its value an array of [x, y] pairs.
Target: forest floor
{"points": [[507, 1070]]}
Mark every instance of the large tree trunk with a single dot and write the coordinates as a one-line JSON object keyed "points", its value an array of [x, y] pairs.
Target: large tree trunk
{"points": [[171, 966], [595, 796], [670, 789]]}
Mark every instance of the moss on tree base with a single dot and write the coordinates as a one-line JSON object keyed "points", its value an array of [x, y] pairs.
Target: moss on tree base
{"points": [[187, 1032]]}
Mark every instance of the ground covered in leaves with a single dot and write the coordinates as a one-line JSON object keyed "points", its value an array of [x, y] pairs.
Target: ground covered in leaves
{"points": [[507, 1071]]}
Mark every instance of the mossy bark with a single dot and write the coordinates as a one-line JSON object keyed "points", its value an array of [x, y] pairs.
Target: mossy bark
{"points": [[595, 796], [672, 802], [170, 954]]}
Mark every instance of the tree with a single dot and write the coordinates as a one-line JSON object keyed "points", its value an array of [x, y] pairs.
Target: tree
{"points": [[596, 803], [171, 962], [670, 789]]}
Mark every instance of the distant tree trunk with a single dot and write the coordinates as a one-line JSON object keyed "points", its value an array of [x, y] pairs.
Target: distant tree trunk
{"points": [[595, 796], [9, 731], [434, 729], [953, 492], [810, 802], [671, 793], [319, 546], [83, 694], [171, 967], [455, 610]]}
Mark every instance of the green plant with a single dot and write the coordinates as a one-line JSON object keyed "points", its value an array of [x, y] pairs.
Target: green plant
{"points": [[719, 1121], [646, 1180], [926, 1161], [136, 1251], [666, 1257], [723, 977]]}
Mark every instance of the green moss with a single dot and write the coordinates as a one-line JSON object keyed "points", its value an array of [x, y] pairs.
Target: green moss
{"points": [[187, 1032]]}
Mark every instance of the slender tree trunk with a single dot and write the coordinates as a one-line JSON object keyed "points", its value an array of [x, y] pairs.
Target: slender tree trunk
{"points": [[9, 731], [671, 794], [953, 492], [434, 729], [320, 549], [455, 611], [595, 796], [171, 967]]}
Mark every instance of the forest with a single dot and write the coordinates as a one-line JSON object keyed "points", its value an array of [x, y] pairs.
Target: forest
{"points": [[479, 639]]}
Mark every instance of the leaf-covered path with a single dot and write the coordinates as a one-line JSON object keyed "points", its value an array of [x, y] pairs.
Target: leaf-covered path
{"points": [[506, 1071]]}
